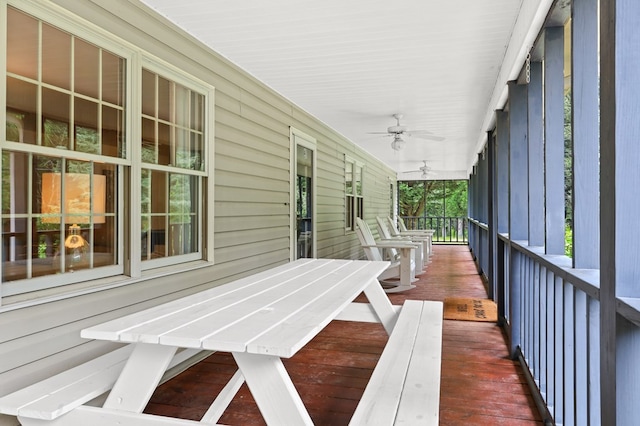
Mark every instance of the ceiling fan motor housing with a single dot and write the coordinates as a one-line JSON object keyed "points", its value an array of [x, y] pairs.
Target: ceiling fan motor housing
{"points": [[397, 129]]}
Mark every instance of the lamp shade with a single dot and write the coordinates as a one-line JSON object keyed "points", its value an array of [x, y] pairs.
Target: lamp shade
{"points": [[78, 198]]}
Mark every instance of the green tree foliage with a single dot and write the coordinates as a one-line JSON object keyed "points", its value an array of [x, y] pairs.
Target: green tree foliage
{"points": [[568, 176], [456, 198], [412, 197], [432, 198], [87, 140], [568, 160]]}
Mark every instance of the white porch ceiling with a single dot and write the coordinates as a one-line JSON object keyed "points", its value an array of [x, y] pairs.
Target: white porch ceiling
{"points": [[352, 64]]}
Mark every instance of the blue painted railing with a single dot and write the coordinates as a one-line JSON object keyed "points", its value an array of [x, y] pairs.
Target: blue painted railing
{"points": [[550, 312]]}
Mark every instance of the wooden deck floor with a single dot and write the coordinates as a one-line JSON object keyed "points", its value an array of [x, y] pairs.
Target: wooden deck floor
{"points": [[480, 384]]}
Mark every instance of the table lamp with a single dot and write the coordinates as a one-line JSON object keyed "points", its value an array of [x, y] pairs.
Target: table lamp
{"points": [[77, 205]]}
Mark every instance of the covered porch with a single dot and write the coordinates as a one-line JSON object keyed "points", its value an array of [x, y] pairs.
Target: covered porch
{"points": [[551, 160]]}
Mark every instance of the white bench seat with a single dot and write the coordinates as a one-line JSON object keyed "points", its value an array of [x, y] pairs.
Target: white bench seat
{"points": [[405, 385], [62, 393]]}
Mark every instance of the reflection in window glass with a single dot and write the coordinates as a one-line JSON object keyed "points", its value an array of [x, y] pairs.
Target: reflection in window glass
{"points": [[112, 132], [113, 82], [22, 44], [86, 71], [56, 57], [65, 222], [169, 214], [86, 129], [354, 201], [56, 133], [69, 114], [21, 107], [177, 112], [59, 213]]}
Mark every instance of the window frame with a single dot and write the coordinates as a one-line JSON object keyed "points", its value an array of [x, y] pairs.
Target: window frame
{"points": [[175, 75], [128, 167], [354, 199], [77, 28]]}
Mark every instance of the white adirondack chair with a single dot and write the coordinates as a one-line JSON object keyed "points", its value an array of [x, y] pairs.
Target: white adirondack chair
{"points": [[404, 231], [425, 236], [420, 254], [400, 275]]}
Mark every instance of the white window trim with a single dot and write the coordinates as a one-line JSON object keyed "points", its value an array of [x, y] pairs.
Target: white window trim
{"points": [[297, 137], [354, 164], [205, 246]]}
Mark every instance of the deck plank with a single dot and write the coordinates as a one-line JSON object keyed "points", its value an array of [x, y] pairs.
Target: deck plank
{"points": [[480, 385]]}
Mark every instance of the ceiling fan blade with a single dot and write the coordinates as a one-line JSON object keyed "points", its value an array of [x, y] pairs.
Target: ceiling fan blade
{"points": [[417, 171], [430, 137], [416, 131], [380, 133]]}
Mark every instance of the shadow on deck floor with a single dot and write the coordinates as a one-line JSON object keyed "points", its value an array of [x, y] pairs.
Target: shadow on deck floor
{"points": [[480, 385]]}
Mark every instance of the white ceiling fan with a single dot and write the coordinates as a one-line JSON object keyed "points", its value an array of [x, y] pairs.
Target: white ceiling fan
{"points": [[426, 170], [400, 133]]}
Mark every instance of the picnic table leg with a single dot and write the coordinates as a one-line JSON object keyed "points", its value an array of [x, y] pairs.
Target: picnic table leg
{"points": [[273, 390], [140, 377], [381, 305]]}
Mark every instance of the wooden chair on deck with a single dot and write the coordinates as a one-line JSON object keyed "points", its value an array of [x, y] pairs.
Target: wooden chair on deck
{"points": [[428, 233], [421, 254], [400, 275], [426, 236]]}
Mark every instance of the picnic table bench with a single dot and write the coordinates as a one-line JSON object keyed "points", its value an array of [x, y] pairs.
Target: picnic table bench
{"points": [[259, 319]]}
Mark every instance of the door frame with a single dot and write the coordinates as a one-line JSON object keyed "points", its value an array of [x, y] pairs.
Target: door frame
{"points": [[296, 138]]}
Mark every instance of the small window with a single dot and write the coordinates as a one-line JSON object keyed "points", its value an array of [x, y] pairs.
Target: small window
{"points": [[354, 199]]}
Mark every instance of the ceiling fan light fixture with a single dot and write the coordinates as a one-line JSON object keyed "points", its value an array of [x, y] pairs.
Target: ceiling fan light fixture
{"points": [[398, 143]]}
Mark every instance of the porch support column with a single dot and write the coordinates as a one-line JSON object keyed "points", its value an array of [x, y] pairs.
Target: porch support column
{"points": [[584, 75], [554, 214], [619, 206], [483, 216], [554, 139], [502, 206], [502, 171], [586, 213], [491, 216], [518, 203], [471, 203], [536, 157], [483, 163]]}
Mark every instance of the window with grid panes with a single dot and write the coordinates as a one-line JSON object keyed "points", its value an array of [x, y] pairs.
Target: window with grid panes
{"points": [[66, 156], [172, 148], [62, 153], [354, 200]]}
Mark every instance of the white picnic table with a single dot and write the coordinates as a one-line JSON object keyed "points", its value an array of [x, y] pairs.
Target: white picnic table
{"points": [[260, 319]]}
